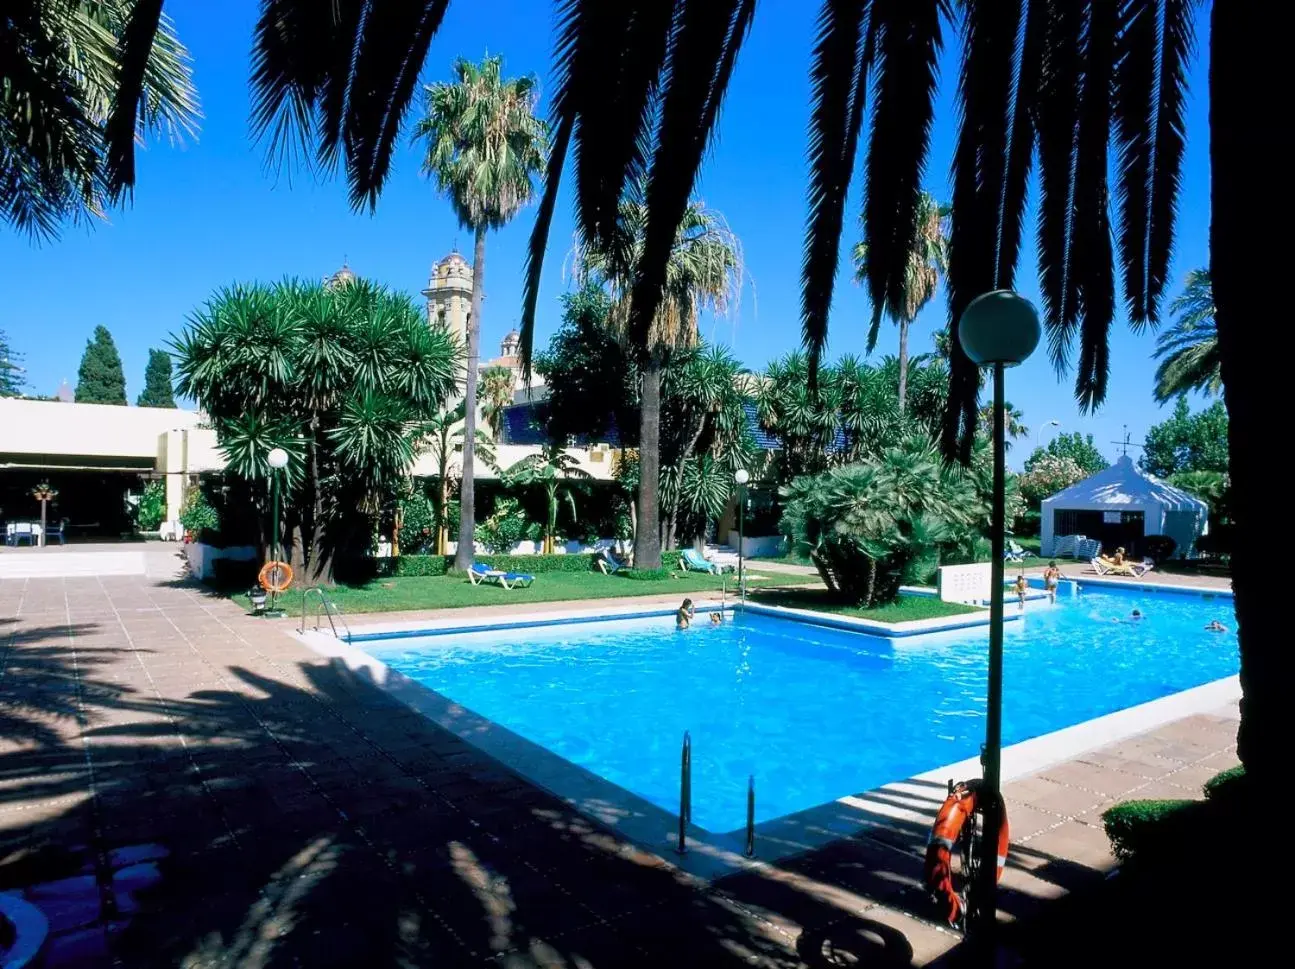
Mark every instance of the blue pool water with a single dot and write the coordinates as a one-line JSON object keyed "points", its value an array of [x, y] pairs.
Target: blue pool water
{"points": [[815, 713]]}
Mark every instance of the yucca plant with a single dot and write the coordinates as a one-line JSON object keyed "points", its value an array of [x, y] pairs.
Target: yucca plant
{"points": [[342, 379]]}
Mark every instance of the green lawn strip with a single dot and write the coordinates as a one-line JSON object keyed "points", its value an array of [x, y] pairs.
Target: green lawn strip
{"points": [[455, 591], [781, 560], [906, 609]]}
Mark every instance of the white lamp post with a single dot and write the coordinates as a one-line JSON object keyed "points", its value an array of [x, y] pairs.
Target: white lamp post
{"points": [[998, 329], [1039, 430], [277, 459], [741, 476]]}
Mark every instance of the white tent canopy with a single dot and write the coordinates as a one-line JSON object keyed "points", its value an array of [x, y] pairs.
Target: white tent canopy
{"points": [[1123, 494]]}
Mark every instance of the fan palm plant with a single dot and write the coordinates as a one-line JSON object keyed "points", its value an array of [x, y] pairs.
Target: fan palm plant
{"points": [[496, 393], [703, 272], [484, 147], [927, 263], [1189, 351]]}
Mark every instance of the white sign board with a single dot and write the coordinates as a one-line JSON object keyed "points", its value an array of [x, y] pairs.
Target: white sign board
{"points": [[964, 583], [1112, 517]]}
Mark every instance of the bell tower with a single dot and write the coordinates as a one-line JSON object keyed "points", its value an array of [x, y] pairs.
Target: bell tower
{"points": [[449, 295]]}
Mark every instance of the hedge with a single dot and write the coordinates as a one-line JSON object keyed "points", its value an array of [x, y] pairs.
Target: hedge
{"points": [[423, 565], [1148, 828], [646, 575], [1227, 784]]}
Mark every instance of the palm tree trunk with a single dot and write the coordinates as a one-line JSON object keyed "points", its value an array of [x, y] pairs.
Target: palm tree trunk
{"points": [[647, 544], [903, 363], [1255, 371], [467, 504]]}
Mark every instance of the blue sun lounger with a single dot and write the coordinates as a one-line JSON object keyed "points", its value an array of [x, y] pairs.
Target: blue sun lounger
{"points": [[482, 573]]}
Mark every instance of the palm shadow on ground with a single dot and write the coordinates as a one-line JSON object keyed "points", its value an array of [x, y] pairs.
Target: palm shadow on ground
{"points": [[313, 820]]}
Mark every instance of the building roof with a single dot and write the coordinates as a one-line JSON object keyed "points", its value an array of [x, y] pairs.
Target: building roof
{"points": [[1123, 486]]}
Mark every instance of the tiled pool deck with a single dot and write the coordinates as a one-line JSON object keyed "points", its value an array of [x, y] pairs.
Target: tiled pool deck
{"points": [[278, 811]]}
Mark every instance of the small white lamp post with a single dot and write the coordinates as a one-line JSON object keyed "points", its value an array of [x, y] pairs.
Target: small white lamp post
{"points": [[1039, 430], [741, 476], [999, 330], [277, 459]]}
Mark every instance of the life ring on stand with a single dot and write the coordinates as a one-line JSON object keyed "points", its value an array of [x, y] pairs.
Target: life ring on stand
{"points": [[275, 577], [959, 807]]}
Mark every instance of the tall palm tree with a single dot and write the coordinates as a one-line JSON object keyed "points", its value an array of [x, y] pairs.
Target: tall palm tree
{"points": [[927, 263], [1189, 351], [703, 272], [81, 83], [484, 148]]}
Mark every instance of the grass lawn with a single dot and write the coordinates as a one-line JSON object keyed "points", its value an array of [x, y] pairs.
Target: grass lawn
{"points": [[782, 559], [455, 591], [907, 609]]}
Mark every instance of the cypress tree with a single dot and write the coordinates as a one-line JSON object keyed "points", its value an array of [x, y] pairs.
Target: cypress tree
{"points": [[157, 381], [100, 379], [11, 379]]}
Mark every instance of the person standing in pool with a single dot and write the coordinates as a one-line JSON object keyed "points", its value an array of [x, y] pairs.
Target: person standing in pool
{"points": [[1051, 579], [683, 618]]}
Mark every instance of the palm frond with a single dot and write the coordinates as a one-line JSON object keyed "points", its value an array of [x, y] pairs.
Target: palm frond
{"points": [[703, 52], [980, 165], [1177, 42], [539, 242], [1028, 66], [1092, 260], [1134, 113], [136, 50], [1057, 113], [842, 55], [907, 47]]}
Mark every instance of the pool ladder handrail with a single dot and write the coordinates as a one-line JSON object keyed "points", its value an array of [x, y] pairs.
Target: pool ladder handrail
{"points": [[327, 607]]}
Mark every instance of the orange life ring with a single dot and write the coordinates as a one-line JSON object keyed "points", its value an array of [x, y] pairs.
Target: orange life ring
{"points": [[960, 805], [275, 576]]}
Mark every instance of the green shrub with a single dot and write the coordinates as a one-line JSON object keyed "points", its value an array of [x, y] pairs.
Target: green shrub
{"points": [[196, 514], [417, 525], [646, 575], [1146, 828], [1227, 784], [151, 508], [505, 527], [417, 565]]}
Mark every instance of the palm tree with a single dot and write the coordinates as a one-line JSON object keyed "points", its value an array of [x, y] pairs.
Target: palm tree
{"points": [[927, 262], [484, 148], [1189, 351], [703, 272], [558, 474], [81, 83], [1013, 422], [496, 394], [443, 437]]}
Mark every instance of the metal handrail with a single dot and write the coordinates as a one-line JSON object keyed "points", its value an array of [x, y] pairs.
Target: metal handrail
{"points": [[327, 607]]}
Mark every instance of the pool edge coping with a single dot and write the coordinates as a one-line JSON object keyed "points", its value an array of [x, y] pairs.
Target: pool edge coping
{"points": [[713, 855]]}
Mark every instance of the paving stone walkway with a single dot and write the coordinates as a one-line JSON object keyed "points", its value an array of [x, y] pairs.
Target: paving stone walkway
{"points": [[288, 814]]}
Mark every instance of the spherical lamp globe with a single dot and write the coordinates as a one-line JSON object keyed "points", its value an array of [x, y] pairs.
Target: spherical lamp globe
{"points": [[742, 476], [277, 458], [999, 327]]}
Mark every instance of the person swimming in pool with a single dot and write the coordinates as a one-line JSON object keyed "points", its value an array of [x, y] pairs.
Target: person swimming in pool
{"points": [[1136, 615], [683, 618], [716, 618], [1215, 626], [1052, 579]]}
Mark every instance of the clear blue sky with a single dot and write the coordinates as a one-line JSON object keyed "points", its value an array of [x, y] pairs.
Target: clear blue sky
{"points": [[209, 214]]}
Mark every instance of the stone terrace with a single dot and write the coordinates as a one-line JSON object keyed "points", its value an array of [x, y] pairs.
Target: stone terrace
{"points": [[183, 786]]}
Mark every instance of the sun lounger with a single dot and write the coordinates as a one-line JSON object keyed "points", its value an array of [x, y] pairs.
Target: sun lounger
{"points": [[1142, 568], [1104, 567], [481, 574], [690, 560], [1014, 553]]}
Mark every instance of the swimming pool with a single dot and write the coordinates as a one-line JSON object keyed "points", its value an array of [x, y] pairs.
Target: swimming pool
{"points": [[814, 713]]}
